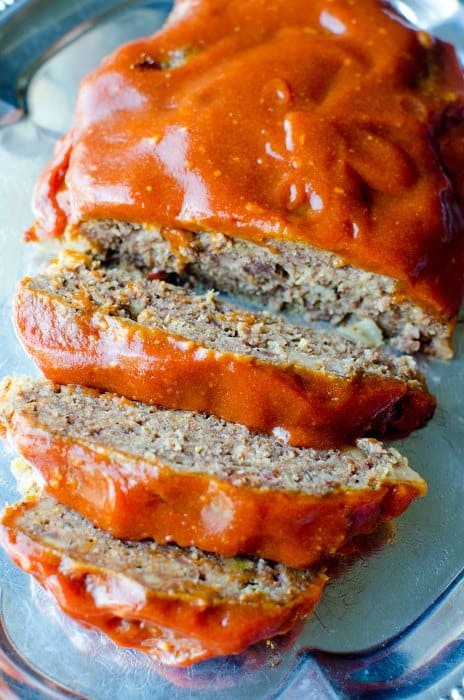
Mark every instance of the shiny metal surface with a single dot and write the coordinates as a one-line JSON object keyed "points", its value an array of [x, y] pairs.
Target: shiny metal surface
{"points": [[5, 4], [392, 624]]}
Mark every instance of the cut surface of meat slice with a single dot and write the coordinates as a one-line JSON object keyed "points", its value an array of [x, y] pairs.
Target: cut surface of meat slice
{"points": [[140, 472], [115, 329], [130, 590]]}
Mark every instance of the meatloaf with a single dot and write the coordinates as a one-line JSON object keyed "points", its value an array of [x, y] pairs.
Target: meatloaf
{"points": [[179, 605], [282, 276], [305, 154], [139, 472], [114, 328]]}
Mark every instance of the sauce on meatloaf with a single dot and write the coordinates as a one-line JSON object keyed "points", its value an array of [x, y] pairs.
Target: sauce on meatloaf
{"points": [[331, 123], [137, 471], [114, 329], [201, 605]]}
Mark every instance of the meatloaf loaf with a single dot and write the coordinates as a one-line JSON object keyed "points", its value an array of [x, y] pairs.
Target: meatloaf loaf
{"points": [[139, 472], [114, 328], [305, 154], [179, 605]]}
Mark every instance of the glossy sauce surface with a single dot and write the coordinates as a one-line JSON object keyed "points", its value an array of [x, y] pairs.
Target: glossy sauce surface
{"points": [[329, 122]]}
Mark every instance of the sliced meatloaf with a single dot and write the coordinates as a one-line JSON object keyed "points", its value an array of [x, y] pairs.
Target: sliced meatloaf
{"points": [[282, 276], [281, 152], [135, 591], [116, 329], [140, 472]]}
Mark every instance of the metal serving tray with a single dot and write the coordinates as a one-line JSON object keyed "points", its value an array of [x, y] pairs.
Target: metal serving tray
{"points": [[392, 625]]}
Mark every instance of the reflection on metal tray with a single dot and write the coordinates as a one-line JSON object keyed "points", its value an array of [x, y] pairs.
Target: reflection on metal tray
{"points": [[392, 624]]}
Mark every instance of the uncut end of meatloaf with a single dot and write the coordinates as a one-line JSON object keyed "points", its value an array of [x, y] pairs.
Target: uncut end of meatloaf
{"points": [[115, 328], [223, 605], [282, 276], [139, 471]]}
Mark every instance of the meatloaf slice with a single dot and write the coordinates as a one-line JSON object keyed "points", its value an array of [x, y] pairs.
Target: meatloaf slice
{"points": [[140, 472], [116, 329], [212, 605], [283, 276]]}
